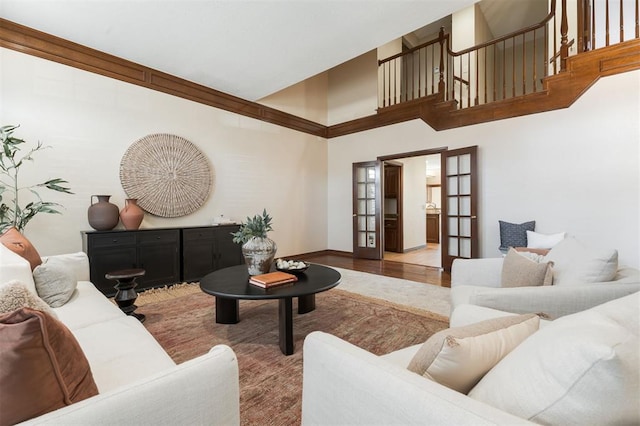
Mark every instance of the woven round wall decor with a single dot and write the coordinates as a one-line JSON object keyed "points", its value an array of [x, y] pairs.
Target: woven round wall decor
{"points": [[168, 175]]}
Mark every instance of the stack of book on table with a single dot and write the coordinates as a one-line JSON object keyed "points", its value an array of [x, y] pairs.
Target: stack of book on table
{"points": [[272, 279]]}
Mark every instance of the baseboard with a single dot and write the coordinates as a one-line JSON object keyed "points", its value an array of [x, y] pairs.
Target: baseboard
{"points": [[414, 248], [322, 253]]}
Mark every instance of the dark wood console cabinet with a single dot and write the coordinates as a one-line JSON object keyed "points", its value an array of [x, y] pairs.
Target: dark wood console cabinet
{"points": [[207, 249], [168, 255]]}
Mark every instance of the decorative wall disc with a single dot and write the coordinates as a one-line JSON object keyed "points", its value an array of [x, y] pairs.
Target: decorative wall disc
{"points": [[168, 175]]}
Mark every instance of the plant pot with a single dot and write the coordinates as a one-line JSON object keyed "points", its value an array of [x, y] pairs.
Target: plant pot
{"points": [[131, 215], [103, 215], [258, 255]]}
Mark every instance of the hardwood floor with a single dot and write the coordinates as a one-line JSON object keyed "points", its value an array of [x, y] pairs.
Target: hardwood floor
{"points": [[407, 271], [427, 256]]}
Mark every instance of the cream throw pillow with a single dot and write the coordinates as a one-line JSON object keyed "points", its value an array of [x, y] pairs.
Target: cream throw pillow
{"points": [[523, 269], [576, 264], [15, 295], [581, 369], [459, 357], [55, 282]]}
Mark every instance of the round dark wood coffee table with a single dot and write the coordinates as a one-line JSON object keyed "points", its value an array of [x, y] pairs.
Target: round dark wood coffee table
{"points": [[230, 285]]}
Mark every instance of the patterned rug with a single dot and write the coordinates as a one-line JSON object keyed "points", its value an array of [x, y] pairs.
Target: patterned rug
{"points": [[271, 383]]}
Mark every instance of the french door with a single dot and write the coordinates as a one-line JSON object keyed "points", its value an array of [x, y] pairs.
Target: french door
{"points": [[459, 205], [367, 195]]}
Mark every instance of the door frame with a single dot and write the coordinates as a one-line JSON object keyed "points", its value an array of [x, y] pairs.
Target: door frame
{"points": [[410, 154], [399, 198]]}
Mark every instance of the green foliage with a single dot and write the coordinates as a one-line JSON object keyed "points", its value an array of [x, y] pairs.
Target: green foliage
{"points": [[11, 213], [257, 226]]}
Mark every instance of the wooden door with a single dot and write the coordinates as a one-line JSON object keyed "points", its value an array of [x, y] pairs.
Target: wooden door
{"points": [[367, 195], [459, 205]]}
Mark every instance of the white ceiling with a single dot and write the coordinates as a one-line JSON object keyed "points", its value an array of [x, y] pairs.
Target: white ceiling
{"points": [[246, 48]]}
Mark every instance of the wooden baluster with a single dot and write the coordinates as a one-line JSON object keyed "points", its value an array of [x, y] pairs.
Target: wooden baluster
{"points": [[485, 75], [621, 22], [524, 64], [637, 21], [513, 67], [469, 80], [593, 25], [460, 91], [607, 23], [433, 71], [564, 41], [546, 50], [441, 88], [535, 71], [476, 98], [504, 72], [555, 43], [418, 62], [581, 26], [494, 72]]}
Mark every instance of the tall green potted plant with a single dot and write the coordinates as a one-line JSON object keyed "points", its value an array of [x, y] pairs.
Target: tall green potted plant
{"points": [[12, 213], [258, 250]]}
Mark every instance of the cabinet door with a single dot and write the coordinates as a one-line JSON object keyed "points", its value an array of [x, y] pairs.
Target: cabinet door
{"points": [[198, 253], [108, 259], [391, 175], [159, 255], [228, 252], [433, 228], [108, 252], [390, 235]]}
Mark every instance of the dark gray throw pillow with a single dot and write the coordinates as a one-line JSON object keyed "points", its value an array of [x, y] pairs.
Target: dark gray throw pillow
{"points": [[514, 235]]}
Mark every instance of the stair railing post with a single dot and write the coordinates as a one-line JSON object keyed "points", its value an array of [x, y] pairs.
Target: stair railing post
{"points": [[564, 40], [441, 85]]}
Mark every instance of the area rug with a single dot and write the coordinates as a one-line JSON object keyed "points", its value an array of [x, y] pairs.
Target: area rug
{"points": [[271, 383]]}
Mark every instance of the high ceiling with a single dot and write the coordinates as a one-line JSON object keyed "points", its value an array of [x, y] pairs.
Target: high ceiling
{"points": [[245, 48]]}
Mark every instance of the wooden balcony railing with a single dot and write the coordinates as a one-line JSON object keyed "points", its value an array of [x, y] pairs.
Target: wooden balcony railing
{"points": [[510, 66]]}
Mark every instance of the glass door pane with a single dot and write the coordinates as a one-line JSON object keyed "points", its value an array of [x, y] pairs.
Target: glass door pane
{"points": [[366, 211]]}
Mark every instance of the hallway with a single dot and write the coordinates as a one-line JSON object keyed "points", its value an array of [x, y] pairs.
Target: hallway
{"points": [[427, 256]]}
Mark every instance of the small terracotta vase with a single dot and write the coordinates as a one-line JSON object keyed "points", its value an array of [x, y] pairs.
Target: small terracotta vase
{"points": [[103, 215], [131, 215]]}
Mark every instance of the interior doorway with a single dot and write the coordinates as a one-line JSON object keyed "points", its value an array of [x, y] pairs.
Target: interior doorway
{"points": [[419, 210]]}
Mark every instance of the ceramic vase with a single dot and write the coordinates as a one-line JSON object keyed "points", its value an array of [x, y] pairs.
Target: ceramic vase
{"points": [[103, 215], [132, 214], [258, 254]]}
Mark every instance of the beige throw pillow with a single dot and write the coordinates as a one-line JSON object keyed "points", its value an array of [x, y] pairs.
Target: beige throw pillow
{"points": [[523, 269], [459, 357], [15, 295], [55, 282]]}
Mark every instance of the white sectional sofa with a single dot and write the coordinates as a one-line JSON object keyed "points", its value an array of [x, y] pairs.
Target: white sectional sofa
{"points": [[138, 382], [583, 278], [580, 369]]}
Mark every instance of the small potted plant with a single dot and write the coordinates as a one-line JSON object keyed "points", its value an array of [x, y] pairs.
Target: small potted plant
{"points": [[258, 250]]}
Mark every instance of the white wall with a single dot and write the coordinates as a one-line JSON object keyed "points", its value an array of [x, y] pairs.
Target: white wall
{"points": [[573, 170], [90, 120]]}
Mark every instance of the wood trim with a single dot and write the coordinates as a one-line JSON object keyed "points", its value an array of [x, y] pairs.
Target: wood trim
{"points": [[32, 42], [322, 253], [560, 91]]}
